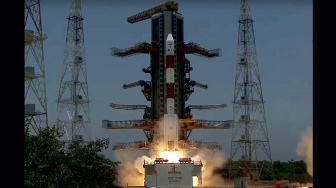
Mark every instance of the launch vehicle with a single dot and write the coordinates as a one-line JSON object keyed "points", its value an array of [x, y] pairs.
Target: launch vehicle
{"points": [[170, 119], [167, 122]]}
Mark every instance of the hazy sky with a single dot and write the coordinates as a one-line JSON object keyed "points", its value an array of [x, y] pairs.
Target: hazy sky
{"points": [[283, 34]]}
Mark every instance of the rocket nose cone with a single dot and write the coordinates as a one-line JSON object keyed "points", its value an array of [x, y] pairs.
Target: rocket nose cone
{"points": [[170, 37]]}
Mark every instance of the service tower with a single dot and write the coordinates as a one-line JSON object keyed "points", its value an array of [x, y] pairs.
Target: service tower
{"points": [[168, 122], [170, 84]]}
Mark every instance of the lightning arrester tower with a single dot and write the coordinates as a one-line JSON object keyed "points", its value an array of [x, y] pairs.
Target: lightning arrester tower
{"points": [[249, 134], [35, 86], [73, 114]]}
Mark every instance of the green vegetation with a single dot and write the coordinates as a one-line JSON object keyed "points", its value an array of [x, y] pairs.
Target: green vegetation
{"points": [[294, 171], [49, 162]]}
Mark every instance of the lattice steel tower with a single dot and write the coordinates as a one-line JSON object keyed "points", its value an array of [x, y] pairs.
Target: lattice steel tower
{"points": [[249, 134], [73, 114], [35, 86]]}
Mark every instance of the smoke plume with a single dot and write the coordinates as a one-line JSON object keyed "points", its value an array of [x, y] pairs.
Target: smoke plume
{"points": [[131, 172], [211, 160], [305, 148]]}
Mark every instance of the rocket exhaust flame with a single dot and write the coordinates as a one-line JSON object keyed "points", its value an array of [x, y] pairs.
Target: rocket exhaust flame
{"points": [[172, 156]]}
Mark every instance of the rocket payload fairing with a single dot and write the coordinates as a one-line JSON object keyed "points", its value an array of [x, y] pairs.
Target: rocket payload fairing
{"points": [[170, 119]]}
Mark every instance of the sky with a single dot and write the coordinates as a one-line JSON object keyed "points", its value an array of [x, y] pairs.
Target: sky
{"points": [[283, 35]]}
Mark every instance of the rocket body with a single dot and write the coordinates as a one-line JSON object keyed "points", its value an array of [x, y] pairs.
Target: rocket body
{"points": [[170, 75], [170, 119]]}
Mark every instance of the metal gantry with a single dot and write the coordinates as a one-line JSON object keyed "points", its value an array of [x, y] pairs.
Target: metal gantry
{"points": [[73, 113], [35, 84], [166, 20], [250, 146]]}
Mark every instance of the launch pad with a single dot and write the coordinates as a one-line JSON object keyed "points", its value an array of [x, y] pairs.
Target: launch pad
{"points": [[161, 173]]}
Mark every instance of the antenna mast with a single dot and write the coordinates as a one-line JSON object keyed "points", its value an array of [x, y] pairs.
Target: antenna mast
{"points": [[73, 114], [249, 134]]}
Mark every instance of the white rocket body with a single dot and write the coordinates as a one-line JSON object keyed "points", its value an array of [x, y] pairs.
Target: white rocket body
{"points": [[170, 119]]}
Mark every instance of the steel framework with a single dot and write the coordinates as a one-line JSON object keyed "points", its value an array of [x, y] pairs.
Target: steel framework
{"points": [[167, 6], [188, 145], [165, 20], [73, 113], [249, 133], [35, 85]]}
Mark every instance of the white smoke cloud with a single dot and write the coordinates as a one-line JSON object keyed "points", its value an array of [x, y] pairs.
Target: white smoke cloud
{"points": [[138, 163], [305, 148], [197, 157], [211, 159], [130, 170]]}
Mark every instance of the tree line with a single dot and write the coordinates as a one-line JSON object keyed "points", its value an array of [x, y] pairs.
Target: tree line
{"points": [[50, 162], [293, 171]]}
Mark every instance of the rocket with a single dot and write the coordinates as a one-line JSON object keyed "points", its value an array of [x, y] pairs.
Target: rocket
{"points": [[170, 118]]}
